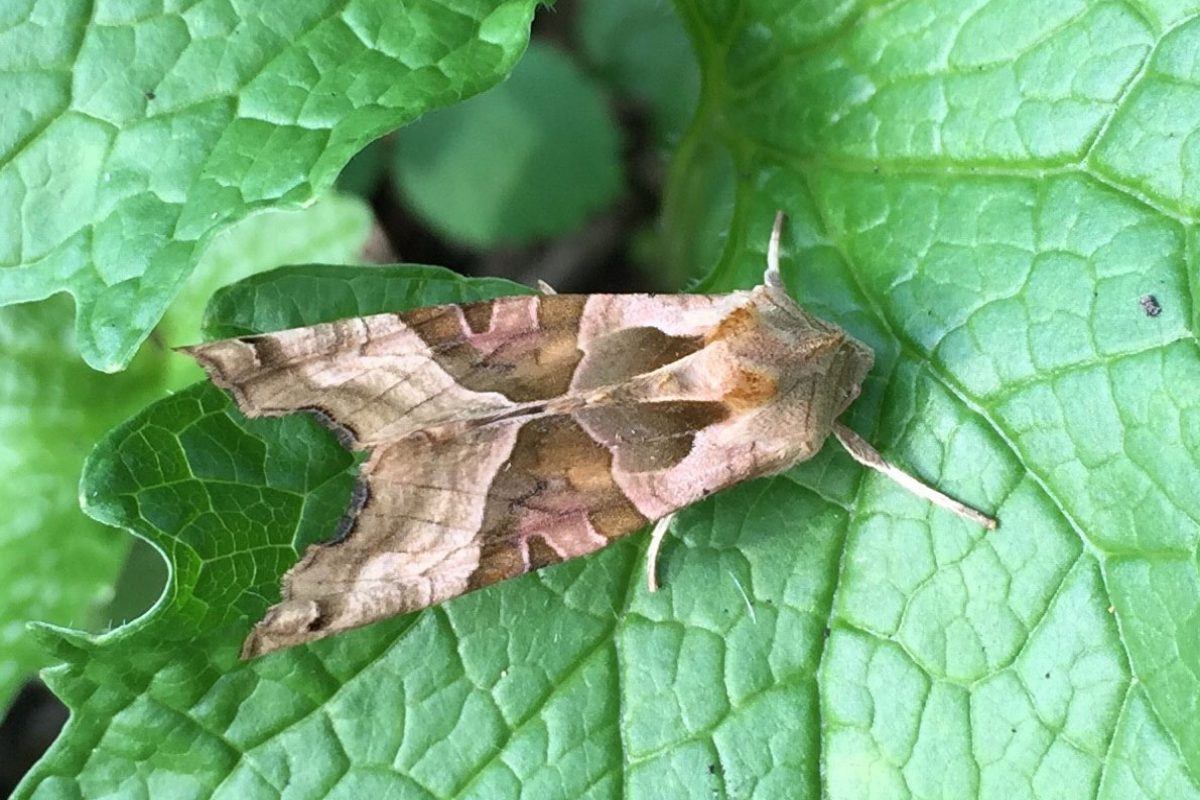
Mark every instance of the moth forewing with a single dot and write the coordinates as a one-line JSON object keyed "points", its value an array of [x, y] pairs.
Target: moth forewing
{"points": [[508, 435]]}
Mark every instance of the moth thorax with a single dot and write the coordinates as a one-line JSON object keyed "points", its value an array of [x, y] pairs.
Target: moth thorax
{"points": [[749, 388]]}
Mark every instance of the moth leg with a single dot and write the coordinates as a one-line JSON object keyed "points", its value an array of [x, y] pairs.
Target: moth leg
{"points": [[772, 277], [868, 456], [656, 537], [545, 288]]}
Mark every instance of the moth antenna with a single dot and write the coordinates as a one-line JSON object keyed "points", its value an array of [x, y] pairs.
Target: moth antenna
{"points": [[862, 452], [772, 276], [545, 288], [656, 538]]}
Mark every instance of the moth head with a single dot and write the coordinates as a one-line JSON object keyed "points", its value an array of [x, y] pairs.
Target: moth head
{"points": [[773, 332], [789, 375]]}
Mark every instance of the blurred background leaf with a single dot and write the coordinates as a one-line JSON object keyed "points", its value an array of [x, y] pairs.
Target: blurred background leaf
{"points": [[528, 159]]}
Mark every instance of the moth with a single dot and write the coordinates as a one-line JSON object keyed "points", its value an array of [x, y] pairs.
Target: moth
{"points": [[507, 435]]}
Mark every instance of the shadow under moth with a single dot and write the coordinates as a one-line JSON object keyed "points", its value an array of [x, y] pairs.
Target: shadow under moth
{"points": [[506, 435]]}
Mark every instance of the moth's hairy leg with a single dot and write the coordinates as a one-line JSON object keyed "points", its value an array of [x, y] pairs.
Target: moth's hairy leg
{"points": [[656, 538], [868, 456], [772, 277], [545, 288]]}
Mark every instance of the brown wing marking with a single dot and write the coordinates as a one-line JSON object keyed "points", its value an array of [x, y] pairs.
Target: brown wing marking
{"points": [[623, 354], [649, 436], [525, 348], [553, 500], [443, 517]]}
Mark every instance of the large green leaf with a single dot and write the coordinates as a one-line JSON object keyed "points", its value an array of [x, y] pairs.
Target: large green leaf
{"points": [[132, 134], [984, 192]]}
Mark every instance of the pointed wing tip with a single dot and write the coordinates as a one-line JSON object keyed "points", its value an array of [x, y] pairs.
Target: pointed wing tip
{"points": [[287, 624], [220, 371], [260, 641], [199, 353], [252, 648]]}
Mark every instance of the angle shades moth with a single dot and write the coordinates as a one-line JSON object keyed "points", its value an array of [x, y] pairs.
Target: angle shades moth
{"points": [[510, 434]]}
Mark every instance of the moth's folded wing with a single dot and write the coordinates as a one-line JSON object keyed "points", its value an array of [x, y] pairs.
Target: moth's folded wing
{"points": [[441, 518], [383, 377], [371, 379]]}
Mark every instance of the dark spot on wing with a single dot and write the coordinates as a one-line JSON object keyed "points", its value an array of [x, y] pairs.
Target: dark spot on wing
{"points": [[267, 349], [319, 621], [626, 353], [478, 316], [541, 554], [649, 437]]}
